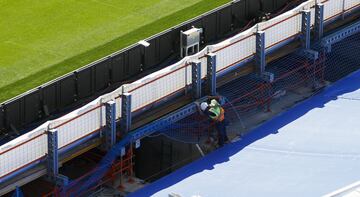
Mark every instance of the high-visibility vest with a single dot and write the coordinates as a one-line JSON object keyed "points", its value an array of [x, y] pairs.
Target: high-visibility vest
{"points": [[217, 113]]}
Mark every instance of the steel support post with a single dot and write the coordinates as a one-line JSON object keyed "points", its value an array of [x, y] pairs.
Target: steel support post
{"points": [[18, 192], [53, 159], [126, 112], [196, 79], [319, 21], [260, 52], [110, 128], [305, 29], [211, 73], [306, 36]]}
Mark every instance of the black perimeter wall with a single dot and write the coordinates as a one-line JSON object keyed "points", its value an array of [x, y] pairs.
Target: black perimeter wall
{"points": [[74, 89]]}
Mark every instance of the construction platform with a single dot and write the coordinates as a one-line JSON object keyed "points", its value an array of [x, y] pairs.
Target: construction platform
{"points": [[298, 75]]}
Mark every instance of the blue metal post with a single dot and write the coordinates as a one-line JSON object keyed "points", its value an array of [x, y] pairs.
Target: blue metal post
{"points": [[260, 52], [196, 79], [110, 128], [305, 29], [53, 159], [319, 21], [18, 192], [126, 117], [306, 36], [211, 73]]}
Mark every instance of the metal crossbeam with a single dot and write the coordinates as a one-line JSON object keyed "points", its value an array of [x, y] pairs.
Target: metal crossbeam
{"points": [[164, 121], [196, 79], [211, 73], [340, 35]]}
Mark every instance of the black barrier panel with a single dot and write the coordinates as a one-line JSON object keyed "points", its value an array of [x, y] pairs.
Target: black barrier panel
{"points": [[126, 68], [2, 120], [84, 82], [67, 90], [117, 68], [279, 4], [197, 23], [224, 21], [253, 9], [102, 74], [49, 95], [209, 24], [135, 61], [151, 57], [32, 107], [163, 50], [239, 14], [165, 46], [14, 113], [267, 5]]}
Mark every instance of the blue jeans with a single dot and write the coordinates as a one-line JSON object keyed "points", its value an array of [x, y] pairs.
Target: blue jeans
{"points": [[221, 128]]}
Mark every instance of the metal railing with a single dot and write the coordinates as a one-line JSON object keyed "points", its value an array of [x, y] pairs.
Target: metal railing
{"points": [[31, 148]]}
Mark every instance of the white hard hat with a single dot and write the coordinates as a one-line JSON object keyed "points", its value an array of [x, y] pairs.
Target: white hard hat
{"points": [[203, 106], [214, 103]]}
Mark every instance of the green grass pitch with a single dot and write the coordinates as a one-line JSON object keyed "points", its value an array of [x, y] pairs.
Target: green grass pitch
{"points": [[44, 39]]}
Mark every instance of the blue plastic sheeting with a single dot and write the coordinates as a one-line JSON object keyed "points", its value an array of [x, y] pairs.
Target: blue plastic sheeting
{"points": [[310, 150]]}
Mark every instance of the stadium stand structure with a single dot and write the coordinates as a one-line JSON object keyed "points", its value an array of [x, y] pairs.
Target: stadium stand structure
{"points": [[60, 96], [308, 66]]}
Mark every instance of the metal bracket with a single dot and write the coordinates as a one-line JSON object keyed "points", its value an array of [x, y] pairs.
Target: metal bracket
{"points": [[211, 73], [310, 54], [196, 79], [267, 77], [126, 117], [53, 159], [110, 127], [137, 143], [260, 52], [305, 29], [319, 21]]}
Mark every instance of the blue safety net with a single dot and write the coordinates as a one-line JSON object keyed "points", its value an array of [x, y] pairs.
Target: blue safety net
{"points": [[245, 96]]}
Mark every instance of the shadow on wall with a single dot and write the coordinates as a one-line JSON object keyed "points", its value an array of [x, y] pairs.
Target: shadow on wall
{"points": [[346, 85]]}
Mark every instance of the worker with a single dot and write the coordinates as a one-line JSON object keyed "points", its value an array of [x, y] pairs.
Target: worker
{"points": [[217, 115]]}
